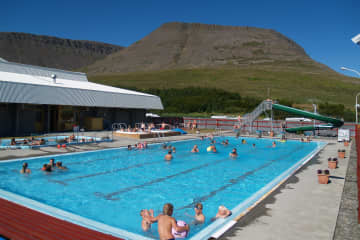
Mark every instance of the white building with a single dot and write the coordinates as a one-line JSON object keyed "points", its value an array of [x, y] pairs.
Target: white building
{"points": [[36, 99]]}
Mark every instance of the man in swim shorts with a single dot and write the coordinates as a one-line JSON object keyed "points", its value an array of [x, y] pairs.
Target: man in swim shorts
{"points": [[166, 223]]}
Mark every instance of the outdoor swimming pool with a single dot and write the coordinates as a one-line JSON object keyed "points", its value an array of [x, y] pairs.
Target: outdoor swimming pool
{"points": [[112, 186]]}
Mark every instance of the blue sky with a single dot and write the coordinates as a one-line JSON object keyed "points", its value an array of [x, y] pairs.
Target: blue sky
{"points": [[322, 27]]}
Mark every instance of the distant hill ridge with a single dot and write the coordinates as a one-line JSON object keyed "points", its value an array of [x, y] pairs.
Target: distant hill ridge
{"points": [[196, 45], [52, 52]]}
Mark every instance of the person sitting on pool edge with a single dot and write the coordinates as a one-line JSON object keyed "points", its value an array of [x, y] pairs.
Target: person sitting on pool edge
{"points": [[233, 153], [199, 216], [223, 212], [25, 169], [146, 215], [166, 223], [195, 149], [168, 156]]}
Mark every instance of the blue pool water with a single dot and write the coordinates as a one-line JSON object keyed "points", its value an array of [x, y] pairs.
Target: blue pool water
{"points": [[112, 186]]}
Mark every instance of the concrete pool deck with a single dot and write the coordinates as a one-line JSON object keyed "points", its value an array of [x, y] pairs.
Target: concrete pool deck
{"points": [[299, 209]]}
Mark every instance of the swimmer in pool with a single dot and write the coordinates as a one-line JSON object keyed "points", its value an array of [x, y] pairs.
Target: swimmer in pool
{"points": [[274, 144], [225, 143], [199, 216], [129, 147], [243, 141], [233, 153], [46, 168], [195, 149], [60, 166], [223, 212], [211, 148], [168, 157], [173, 149], [146, 215], [52, 163], [25, 169], [166, 223]]}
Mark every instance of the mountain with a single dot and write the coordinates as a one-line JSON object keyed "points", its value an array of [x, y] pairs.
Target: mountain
{"points": [[194, 45], [52, 52], [252, 62]]}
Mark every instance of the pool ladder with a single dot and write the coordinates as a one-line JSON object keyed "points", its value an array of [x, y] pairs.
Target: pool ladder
{"points": [[218, 131]]}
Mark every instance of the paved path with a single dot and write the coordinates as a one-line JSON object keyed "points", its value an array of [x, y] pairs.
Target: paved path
{"points": [[347, 227], [301, 208]]}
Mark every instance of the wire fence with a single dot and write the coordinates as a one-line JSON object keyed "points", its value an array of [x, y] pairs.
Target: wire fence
{"points": [[275, 126]]}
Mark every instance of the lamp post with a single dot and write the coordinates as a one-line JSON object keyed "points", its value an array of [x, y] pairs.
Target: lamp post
{"points": [[356, 98]]}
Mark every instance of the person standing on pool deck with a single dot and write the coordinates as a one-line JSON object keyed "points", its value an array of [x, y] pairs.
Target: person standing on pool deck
{"points": [[25, 169], [166, 223], [199, 216], [168, 157]]}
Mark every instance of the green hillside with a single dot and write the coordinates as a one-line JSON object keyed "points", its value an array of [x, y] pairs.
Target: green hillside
{"points": [[293, 85]]}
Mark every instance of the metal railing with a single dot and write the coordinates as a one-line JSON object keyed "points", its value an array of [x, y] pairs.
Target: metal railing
{"points": [[249, 118]]}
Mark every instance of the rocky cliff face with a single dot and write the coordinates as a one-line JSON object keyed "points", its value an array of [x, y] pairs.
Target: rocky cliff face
{"points": [[52, 51], [193, 45]]}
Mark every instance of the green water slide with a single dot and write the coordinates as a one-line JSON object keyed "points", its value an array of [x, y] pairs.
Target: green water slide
{"points": [[331, 122]]}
